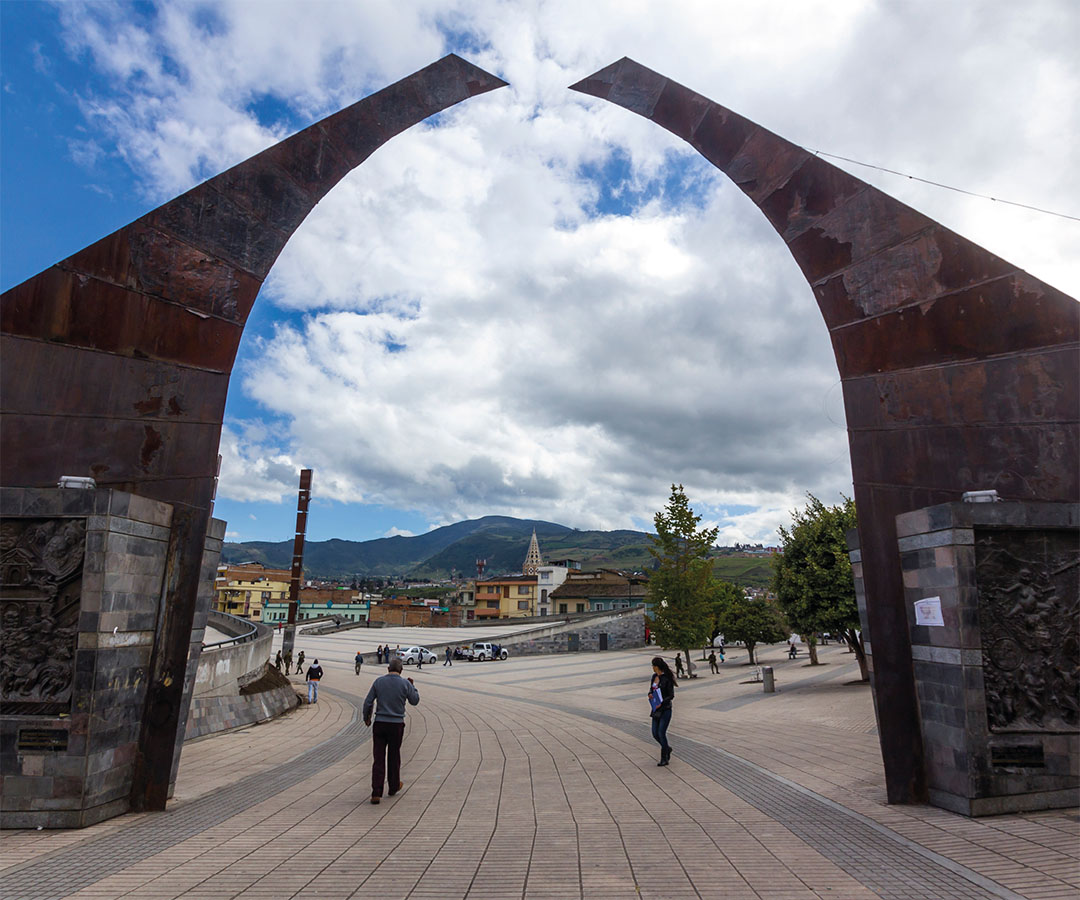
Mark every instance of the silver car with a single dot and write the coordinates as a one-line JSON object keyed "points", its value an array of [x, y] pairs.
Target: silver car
{"points": [[409, 655]]}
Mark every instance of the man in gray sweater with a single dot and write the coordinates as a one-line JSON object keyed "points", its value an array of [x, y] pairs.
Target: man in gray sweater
{"points": [[387, 696]]}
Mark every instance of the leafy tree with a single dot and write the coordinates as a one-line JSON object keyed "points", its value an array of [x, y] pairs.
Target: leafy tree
{"points": [[724, 594], [681, 587], [812, 576], [753, 622]]}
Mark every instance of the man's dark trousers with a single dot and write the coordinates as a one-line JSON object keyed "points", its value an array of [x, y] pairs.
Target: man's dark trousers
{"points": [[386, 741]]}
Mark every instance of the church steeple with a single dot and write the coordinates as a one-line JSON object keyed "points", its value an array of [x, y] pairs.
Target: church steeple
{"points": [[532, 558]]}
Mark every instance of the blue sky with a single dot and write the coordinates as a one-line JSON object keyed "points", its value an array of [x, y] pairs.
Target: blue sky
{"points": [[535, 304]]}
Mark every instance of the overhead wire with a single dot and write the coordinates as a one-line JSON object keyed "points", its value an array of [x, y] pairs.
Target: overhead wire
{"points": [[948, 187]]}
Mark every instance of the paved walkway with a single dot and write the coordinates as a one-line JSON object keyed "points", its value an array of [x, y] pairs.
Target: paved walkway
{"points": [[536, 778]]}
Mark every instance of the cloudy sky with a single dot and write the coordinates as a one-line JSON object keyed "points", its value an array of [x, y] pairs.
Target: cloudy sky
{"points": [[537, 304]]}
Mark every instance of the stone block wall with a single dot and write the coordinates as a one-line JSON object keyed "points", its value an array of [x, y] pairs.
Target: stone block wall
{"points": [[997, 678], [80, 590], [625, 631], [210, 715], [218, 704]]}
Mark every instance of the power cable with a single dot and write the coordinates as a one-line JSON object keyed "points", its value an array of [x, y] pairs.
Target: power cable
{"points": [[947, 186]]}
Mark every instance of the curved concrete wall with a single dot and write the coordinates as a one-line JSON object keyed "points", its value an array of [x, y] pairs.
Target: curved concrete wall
{"points": [[224, 670], [217, 704]]}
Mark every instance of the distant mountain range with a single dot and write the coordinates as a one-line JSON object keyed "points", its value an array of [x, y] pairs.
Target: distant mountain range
{"points": [[501, 540]]}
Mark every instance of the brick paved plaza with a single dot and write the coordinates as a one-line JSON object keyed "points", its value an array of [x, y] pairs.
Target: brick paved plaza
{"points": [[537, 777]]}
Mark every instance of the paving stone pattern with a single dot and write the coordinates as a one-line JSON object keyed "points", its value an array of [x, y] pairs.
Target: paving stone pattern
{"points": [[890, 865], [93, 860], [536, 778]]}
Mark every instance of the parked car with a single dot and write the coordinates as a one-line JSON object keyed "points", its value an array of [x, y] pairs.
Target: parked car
{"points": [[409, 655], [483, 650]]}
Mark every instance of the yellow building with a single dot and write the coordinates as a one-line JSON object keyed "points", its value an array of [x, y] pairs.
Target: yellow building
{"points": [[241, 589], [510, 597]]}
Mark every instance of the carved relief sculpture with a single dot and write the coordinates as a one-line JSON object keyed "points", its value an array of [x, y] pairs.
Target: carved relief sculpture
{"points": [[1029, 604], [41, 562]]}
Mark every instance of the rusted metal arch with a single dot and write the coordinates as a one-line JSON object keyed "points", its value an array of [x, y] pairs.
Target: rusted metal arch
{"points": [[960, 371], [116, 361]]}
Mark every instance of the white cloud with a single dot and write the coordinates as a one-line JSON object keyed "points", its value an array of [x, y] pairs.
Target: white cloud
{"points": [[479, 338], [398, 532]]}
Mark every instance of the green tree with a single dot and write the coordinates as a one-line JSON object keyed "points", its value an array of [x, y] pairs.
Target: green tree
{"points": [[812, 576], [724, 594], [753, 622], [681, 587]]}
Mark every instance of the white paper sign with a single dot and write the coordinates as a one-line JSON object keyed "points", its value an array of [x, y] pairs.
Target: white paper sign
{"points": [[928, 612]]}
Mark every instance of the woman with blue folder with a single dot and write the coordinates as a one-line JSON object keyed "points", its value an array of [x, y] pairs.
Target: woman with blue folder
{"points": [[661, 693]]}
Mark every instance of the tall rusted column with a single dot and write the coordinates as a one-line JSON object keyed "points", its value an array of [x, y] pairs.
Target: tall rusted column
{"points": [[960, 371], [297, 573], [168, 664]]}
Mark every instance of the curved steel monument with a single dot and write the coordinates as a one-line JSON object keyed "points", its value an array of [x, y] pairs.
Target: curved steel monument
{"points": [[116, 360], [960, 372]]}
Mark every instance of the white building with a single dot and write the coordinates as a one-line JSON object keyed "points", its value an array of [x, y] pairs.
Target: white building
{"points": [[548, 578]]}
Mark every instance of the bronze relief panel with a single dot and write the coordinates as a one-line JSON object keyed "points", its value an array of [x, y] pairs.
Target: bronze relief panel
{"points": [[41, 565], [1029, 606]]}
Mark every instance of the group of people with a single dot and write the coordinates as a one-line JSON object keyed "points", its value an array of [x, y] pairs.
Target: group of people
{"points": [[384, 653], [313, 676], [715, 658], [284, 662]]}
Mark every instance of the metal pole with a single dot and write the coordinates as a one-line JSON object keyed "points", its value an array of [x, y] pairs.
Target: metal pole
{"points": [[297, 574]]}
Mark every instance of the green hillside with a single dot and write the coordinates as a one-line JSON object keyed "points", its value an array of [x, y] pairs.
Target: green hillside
{"points": [[745, 571], [492, 537], [501, 540], [505, 552]]}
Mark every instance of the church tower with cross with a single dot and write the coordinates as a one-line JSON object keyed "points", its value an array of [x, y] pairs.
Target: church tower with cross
{"points": [[532, 558]]}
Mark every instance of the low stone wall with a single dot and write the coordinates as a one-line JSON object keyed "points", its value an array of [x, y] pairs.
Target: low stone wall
{"points": [[210, 715], [625, 630], [218, 704], [224, 670]]}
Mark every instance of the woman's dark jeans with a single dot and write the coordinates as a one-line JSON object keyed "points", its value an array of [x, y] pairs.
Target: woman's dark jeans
{"points": [[659, 729]]}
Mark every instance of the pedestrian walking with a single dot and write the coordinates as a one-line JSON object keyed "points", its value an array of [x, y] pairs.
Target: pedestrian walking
{"points": [[358, 661], [387, 698], [712, 663], [277, 661], [419, 658], [314, 676], [678, 664], [449, 661], [378, 653], [300, 663], [287, 659], [663, 684]]}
